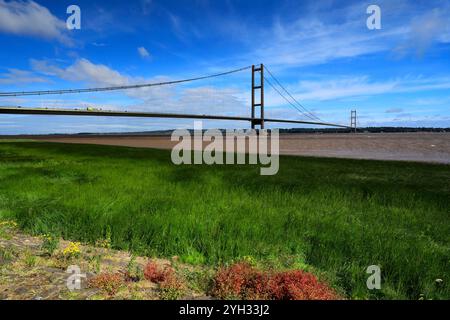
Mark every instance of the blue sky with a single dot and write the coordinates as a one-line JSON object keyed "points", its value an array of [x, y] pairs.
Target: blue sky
{"points": [[322, 51]]}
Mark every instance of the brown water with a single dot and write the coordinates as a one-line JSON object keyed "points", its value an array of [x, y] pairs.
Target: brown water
{"points": [[423, 147]]}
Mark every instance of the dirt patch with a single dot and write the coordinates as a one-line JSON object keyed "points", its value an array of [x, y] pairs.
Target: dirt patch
{"points": [[28, 272]]}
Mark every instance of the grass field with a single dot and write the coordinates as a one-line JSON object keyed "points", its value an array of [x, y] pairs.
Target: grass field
{"points": [[332, 217]]}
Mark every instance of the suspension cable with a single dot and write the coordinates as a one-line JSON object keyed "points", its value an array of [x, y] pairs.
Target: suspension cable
{"points": [[288, 101], [137, 86], [309, 114]]}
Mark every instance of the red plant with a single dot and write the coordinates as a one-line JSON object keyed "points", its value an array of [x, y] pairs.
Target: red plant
{"points": [[172, 287], [157, 273], [229, 282], [107, 282], [298, 285], [245, 282]]}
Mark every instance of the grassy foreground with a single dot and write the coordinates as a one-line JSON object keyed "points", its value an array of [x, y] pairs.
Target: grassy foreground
{"points": [[332, 217]]}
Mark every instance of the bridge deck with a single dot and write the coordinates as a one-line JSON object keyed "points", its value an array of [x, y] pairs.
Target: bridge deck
{"points": [[101, 113]]}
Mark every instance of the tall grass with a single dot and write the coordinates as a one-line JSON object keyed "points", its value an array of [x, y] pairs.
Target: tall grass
{"points": [[336, 217]]}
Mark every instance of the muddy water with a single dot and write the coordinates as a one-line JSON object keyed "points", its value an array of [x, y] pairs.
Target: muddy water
{"points": [[423, 147]]}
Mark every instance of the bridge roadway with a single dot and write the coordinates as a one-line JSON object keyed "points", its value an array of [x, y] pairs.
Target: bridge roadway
{"points": [[101, 113]]}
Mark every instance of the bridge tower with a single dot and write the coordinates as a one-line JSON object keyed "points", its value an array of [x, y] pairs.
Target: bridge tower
{"points": [[255, 120], [353, 120]]}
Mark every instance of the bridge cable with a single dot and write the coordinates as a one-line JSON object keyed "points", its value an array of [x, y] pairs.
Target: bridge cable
{"points": [[288, 101], [296, 101], [137, 86]]}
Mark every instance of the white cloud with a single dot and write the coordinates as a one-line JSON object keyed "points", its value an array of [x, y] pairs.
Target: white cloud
{"points": [[82, 70], [432, 101], [31, 19], [357, 86], [342, 88], [98, 44], [16, 76], [430, 27], [143, 52], [312, 42], [394, 110], [324, 35], [183, 30]]}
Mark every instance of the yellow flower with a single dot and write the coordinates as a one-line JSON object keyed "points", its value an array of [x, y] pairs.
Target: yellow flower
{"points": [[72, 250], [47, 237], [8, 224]]}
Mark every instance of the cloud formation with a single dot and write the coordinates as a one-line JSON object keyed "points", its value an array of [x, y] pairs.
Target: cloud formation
{"points": [[16, 76], [82, 70], [31, 19], [394, 110], [204, 98], [323, 35], [358, 86], [143, 52], [431, 26]]}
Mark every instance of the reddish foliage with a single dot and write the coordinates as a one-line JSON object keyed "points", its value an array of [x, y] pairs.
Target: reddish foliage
{"points": [[299, 285], [245, 282], [157, 273], [230, 282], [170, 285], [172, 282], [172, 288], [107, 282]]}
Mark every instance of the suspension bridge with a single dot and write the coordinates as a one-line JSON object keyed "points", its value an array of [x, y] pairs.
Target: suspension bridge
{"points": [[257, 117]]}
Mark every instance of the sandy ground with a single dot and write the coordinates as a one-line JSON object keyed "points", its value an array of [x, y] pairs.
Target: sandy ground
{"points": [[422, 147], [29, 272]]}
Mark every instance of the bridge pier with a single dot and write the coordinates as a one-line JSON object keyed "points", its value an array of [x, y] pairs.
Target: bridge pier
{"points": [[353, 120], [258, 121]]}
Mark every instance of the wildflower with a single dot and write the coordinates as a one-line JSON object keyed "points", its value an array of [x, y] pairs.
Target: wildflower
{"points": [[8, 224], [110, 283], [72, 250]]}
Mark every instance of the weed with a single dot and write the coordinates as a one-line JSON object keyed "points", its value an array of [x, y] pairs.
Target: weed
{"points": [[171, 288], [8, 224], [134, 272], [242, 281], [49, 244], [29, 259], [72, 250], [95, 263], [193, 257], [105, 242], [70, 295], [228, 282], [298, 285], [170, 285], [6, 255], [109, 283], [7, 227], [199, 280], [157, 273]]}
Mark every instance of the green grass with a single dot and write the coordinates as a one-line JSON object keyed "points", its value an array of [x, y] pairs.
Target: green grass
{"points": [[335, 217]]}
